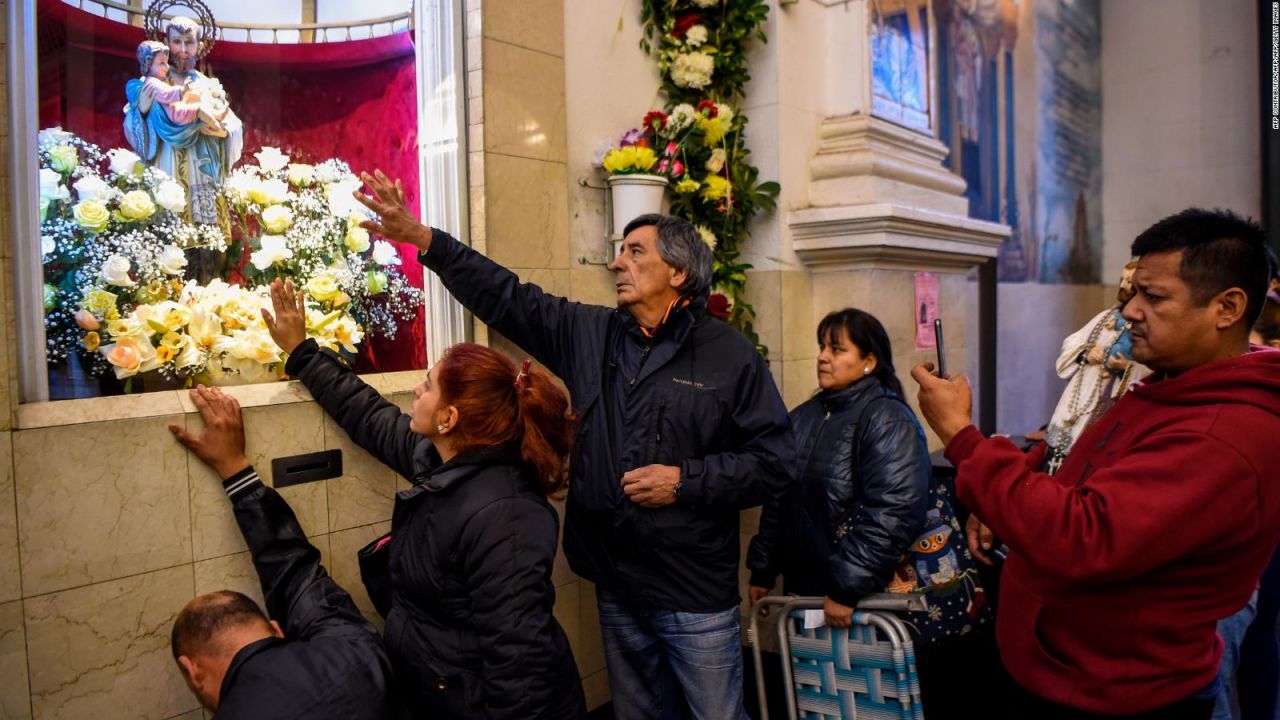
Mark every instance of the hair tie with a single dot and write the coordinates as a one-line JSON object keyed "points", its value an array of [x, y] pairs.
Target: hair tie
{"points": [[522, 375]]}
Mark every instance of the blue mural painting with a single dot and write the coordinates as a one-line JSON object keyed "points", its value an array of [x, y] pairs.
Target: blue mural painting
{"points": [[1053, 202], [900, 63]]}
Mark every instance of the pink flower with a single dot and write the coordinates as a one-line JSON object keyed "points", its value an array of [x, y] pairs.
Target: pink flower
{"points": [[677, 168], [671, 149]]}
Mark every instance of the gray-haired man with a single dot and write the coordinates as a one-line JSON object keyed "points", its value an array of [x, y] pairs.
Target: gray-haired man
{"points": [[680, 426]]}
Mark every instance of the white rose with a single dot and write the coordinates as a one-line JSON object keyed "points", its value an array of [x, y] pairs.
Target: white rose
{"points": [[271, 159], [171, 196], [123, 162], [51, 187], [696, 35], [276, 219], [116, 271], [47, 245], [715, 163], [172, 260], [341, 202], [384, 253], [692, 70], [92, 187], [273, 251]]}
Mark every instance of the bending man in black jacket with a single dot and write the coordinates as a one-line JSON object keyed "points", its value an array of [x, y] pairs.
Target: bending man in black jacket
{"points": [[327, 661], [680, 427]]}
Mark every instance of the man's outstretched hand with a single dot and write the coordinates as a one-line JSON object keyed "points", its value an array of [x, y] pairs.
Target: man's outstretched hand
{"points": [[394, 222], [221, 444]]}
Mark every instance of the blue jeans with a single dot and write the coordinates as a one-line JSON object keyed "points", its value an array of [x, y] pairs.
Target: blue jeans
{"points": [[663, 664], [1232, 630]]}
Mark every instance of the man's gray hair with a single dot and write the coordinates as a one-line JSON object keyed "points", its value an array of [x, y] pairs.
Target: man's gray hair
{"points": [[183, 25], [681, 246]]}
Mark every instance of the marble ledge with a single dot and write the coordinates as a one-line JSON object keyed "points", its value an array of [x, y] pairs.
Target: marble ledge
{"points": [[56, 413]]}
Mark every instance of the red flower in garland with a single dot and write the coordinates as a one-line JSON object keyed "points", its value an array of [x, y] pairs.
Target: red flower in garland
{"points": [[684, 22], [708, 108], [654, 120], [718, 305]]}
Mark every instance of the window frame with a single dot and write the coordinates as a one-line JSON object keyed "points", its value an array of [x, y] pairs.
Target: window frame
{"points": [[442, 138]]}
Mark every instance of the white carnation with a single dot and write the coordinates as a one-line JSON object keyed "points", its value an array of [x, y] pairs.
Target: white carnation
{"points": [[705, 3], [696, 35], [692, 70], [384, 253], [271, 159]]}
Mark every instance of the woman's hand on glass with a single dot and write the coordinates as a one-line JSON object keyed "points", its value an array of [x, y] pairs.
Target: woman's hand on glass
{"points": [[288, 327], [394, 222]]}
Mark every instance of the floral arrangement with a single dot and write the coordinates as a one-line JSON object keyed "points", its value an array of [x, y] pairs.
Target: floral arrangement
{"points": [[214, 333], [114, 244], [700, 47], [111, 237], [300, 222]]}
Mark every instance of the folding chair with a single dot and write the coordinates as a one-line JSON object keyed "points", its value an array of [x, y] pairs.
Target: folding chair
{"points": [[865, 671]]}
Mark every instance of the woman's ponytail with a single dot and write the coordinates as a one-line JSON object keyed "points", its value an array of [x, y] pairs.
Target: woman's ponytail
{"points": [[547, 429]]}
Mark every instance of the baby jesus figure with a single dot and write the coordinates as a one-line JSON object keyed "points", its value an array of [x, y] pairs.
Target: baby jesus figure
{"points": [[182, 105]]}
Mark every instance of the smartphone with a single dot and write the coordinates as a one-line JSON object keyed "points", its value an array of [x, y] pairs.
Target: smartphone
{"points": [[937, 339]]}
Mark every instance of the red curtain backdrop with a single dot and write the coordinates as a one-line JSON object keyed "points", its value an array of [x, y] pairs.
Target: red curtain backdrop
{"points": [[355, 101]]}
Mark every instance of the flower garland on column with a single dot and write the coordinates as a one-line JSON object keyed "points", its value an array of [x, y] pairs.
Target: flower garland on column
{"points": [[701, 49]]}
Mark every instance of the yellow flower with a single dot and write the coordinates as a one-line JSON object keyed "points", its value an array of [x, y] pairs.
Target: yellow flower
{"points": [[91, 341], [268, 192], [91, 215], [300, 175], [713, 129], [631, 158], [137, 205], [167, 317], [716, 187], [687, 185], [708, 237], [164, 354], [63, 158], [276, 219], [357, 239], [154, 292], [99, 302], [323, 287]]}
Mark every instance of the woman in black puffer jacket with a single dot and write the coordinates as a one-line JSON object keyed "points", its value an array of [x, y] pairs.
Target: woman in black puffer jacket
{"points": [[470, 629], [866, 515]]}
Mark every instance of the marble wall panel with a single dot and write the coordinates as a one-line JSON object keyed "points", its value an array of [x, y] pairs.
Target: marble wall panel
{"points": [[15, 694], [105, 648], [533, 24], [365, 493], [524, 108], [117, 510]]}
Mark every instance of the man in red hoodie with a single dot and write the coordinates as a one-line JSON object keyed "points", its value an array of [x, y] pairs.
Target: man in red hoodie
{"points": [[1166, 511]]}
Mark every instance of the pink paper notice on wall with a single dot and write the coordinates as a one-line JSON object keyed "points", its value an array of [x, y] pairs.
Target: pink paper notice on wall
{"points": [[926, 309]]}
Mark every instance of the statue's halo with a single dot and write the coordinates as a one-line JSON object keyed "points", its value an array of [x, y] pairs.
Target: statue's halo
{"points": [[156, 15]]}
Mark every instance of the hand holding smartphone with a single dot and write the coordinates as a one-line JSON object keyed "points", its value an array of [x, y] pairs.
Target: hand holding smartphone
{"points": [[937, 339]]}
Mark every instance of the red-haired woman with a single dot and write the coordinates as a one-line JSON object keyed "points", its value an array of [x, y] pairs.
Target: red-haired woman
{"points": [[470, 629]]}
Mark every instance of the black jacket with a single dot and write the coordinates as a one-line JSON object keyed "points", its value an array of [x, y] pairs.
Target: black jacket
{"points": [[877, 467], [470, 631], [331, 663], [697, 396]]}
